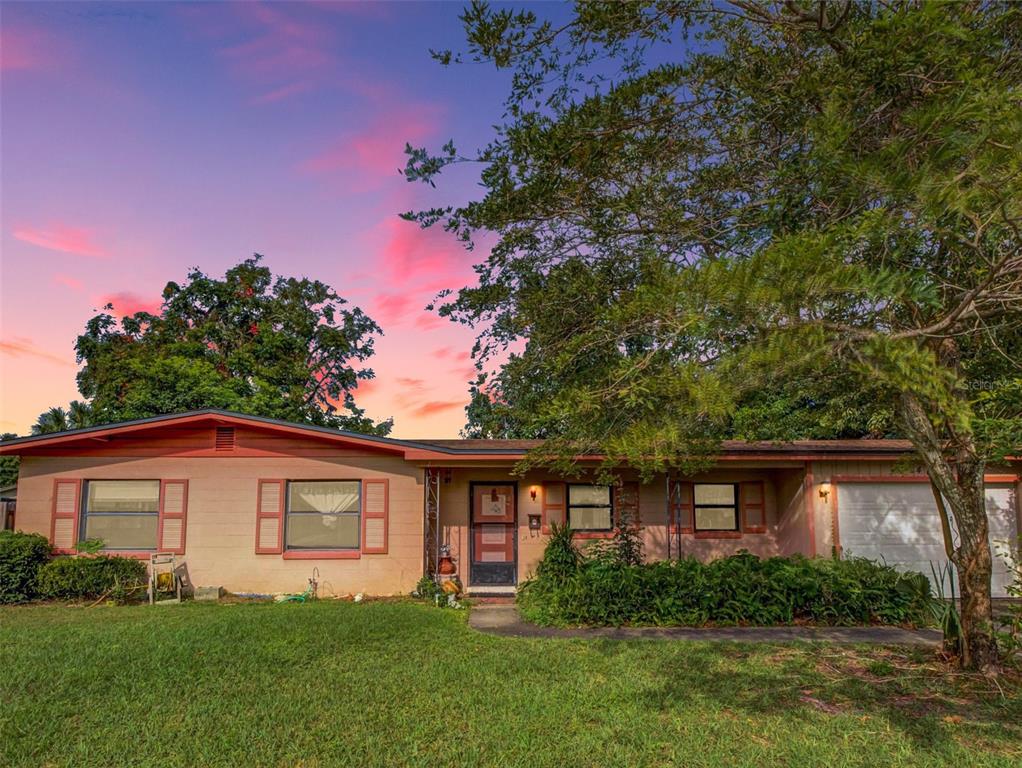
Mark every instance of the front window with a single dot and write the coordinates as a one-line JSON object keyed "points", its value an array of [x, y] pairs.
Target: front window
{"points": [[590, 507], [716, 507], [123, 513], [323, 515]]}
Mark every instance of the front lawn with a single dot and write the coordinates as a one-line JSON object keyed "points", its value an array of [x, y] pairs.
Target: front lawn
{"points": [[333, 684]]}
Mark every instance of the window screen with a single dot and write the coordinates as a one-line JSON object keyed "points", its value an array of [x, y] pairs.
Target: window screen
{"points": [[323, 514], [123, 513], [590, 507], [716, 507]]}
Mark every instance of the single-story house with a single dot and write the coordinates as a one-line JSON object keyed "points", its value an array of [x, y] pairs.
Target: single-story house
{"points": [[255, 504]]}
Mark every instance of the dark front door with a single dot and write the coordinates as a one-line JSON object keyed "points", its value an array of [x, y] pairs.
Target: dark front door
{"points": [[494, 550]]}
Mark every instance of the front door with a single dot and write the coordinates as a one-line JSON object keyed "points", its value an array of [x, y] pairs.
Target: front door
{"points": [[494, 550]]}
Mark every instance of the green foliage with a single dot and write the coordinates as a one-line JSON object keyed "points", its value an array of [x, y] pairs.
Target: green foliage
{"points": [[427, 589], [624, 547], [280, 347], [561, 559], [89, 578], [696, 203], [945, 611], [741, 589], [767, 221], [8, 464], [21, 557], [57, 419], [89, 546]]}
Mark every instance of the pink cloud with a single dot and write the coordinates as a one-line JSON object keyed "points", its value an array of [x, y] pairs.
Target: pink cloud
{"points": [[20, 346], [26, 48], [409, 251], [377, 151], [408, 382], [392, 308], [467, 373], [67, 281], [429, 322], [126, 303], [438, 406], [367, 387], [280, 49], [62, 238], [278, 94]]}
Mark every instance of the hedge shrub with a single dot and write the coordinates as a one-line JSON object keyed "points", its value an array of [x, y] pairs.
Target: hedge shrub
{"points": [[21, 557], [89, 578], [741, 589]]}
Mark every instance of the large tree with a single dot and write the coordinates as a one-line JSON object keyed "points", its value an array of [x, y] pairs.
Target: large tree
{"points": [[281, 347], [697, 201]]}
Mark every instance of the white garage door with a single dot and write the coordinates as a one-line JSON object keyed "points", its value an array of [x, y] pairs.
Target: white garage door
{"points": [[898, 524]]}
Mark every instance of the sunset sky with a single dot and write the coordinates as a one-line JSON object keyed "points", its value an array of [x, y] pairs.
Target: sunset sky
{"points": [[139, 140]]}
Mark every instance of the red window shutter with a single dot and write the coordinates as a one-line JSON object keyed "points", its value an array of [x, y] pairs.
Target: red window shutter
{"points": [[554, 495], [753, 506], [375, 516], [270, 518], [67, 499], [173, 516], [626, 503], [682, 507]]}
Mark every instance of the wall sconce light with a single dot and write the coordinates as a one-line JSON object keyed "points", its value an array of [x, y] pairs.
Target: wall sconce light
{"points": [[532, 492], [824, 493], [494, 496]]}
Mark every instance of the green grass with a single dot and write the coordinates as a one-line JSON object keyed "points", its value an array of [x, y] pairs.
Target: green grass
{"points": [[333, 684]]}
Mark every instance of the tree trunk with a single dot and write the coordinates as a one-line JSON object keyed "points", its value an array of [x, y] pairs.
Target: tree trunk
{"points": [[957, 475]]}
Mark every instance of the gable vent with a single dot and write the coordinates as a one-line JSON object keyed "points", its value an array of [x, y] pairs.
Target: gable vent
{"points": [[225, 438]]}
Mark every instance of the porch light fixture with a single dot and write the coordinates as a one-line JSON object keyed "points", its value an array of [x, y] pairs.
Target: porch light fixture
{"points": [[824, 492], [493, 495], [532, 492]]}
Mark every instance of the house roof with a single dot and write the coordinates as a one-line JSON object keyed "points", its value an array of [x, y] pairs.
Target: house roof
{"points": [[728, 446], [428, 449]]}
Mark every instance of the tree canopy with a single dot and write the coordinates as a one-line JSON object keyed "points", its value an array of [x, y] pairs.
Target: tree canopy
{"points": [[280, 347], [704, 206]]}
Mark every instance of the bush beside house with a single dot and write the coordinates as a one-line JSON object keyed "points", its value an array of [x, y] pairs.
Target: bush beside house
{"points": [[571, 588], [28, 573], [21, 557], [89, 578]]}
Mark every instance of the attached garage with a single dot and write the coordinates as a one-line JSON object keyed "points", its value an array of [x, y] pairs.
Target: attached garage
{"points": [[898, 523]]}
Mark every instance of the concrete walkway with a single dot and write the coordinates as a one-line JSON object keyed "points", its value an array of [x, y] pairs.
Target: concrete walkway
{"points": [[503, 619]]}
